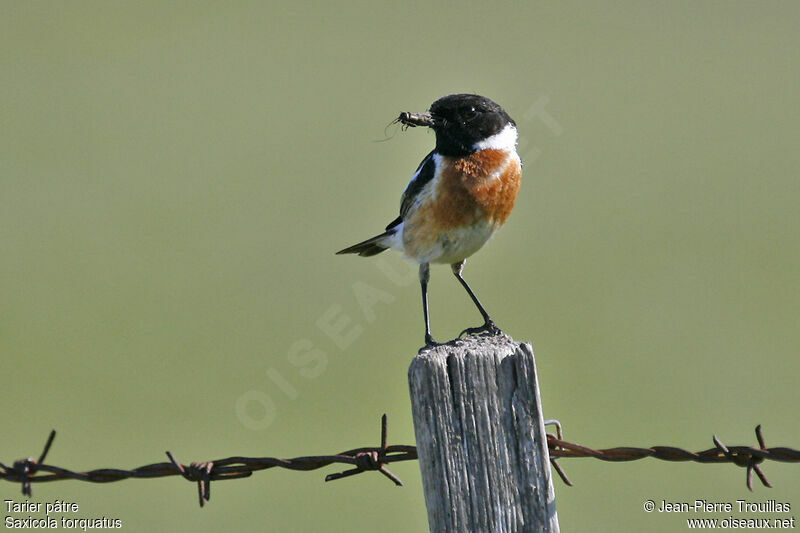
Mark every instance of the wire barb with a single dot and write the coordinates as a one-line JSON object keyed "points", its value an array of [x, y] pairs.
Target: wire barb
{"points": [[371, 460], [24, 469], [199, 472], [748, 458]]}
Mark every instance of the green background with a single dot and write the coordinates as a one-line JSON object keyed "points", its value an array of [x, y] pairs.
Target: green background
{"points": [[175, 178]]}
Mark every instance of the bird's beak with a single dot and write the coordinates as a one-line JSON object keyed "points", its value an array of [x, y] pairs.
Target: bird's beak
{"points": [[416, 119]]}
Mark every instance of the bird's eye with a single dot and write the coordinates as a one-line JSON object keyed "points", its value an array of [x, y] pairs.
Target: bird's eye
{"points": [[469, 113]]}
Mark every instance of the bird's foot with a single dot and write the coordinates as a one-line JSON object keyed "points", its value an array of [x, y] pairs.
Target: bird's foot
{"points": [[430, 342], [489, 328]]}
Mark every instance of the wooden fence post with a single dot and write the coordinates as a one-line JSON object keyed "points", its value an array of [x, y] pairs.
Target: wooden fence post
{"points": [[480, 437]]}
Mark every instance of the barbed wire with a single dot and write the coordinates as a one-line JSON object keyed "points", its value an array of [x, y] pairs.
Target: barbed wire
{"points": [[30, 470], [745, 456]]}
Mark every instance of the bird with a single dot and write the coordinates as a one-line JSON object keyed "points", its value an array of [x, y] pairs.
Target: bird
{"points": [[462, 192]]}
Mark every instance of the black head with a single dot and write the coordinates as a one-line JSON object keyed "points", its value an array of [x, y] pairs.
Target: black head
{"points": [[463, 120]]}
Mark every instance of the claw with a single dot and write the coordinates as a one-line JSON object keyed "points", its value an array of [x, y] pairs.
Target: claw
{"points": [[489, 328], [430, 342]]}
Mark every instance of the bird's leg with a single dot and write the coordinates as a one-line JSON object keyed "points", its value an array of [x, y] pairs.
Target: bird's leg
{"points": [[488, 325], [424, 277]]}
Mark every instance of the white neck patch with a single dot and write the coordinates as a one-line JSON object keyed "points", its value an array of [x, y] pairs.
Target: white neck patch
{"points": [[505, 140]]}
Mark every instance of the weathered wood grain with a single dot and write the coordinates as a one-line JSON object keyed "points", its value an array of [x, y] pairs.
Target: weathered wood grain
{"points": [[480, 437]]}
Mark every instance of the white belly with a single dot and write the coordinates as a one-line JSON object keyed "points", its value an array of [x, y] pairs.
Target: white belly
{"points": [[453, 245]]}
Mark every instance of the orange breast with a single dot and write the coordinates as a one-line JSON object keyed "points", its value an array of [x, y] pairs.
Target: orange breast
{"points": [[479, 186]]}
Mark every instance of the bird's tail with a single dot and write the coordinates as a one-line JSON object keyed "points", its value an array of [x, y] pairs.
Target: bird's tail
{"points": [[374, 246]]}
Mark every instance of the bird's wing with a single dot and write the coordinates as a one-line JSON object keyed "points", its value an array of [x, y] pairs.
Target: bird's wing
{"points": [[394, 223], [423, 175]]}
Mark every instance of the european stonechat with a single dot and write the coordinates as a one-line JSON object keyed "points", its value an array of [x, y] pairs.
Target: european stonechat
{"points": [[461, 193]]}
